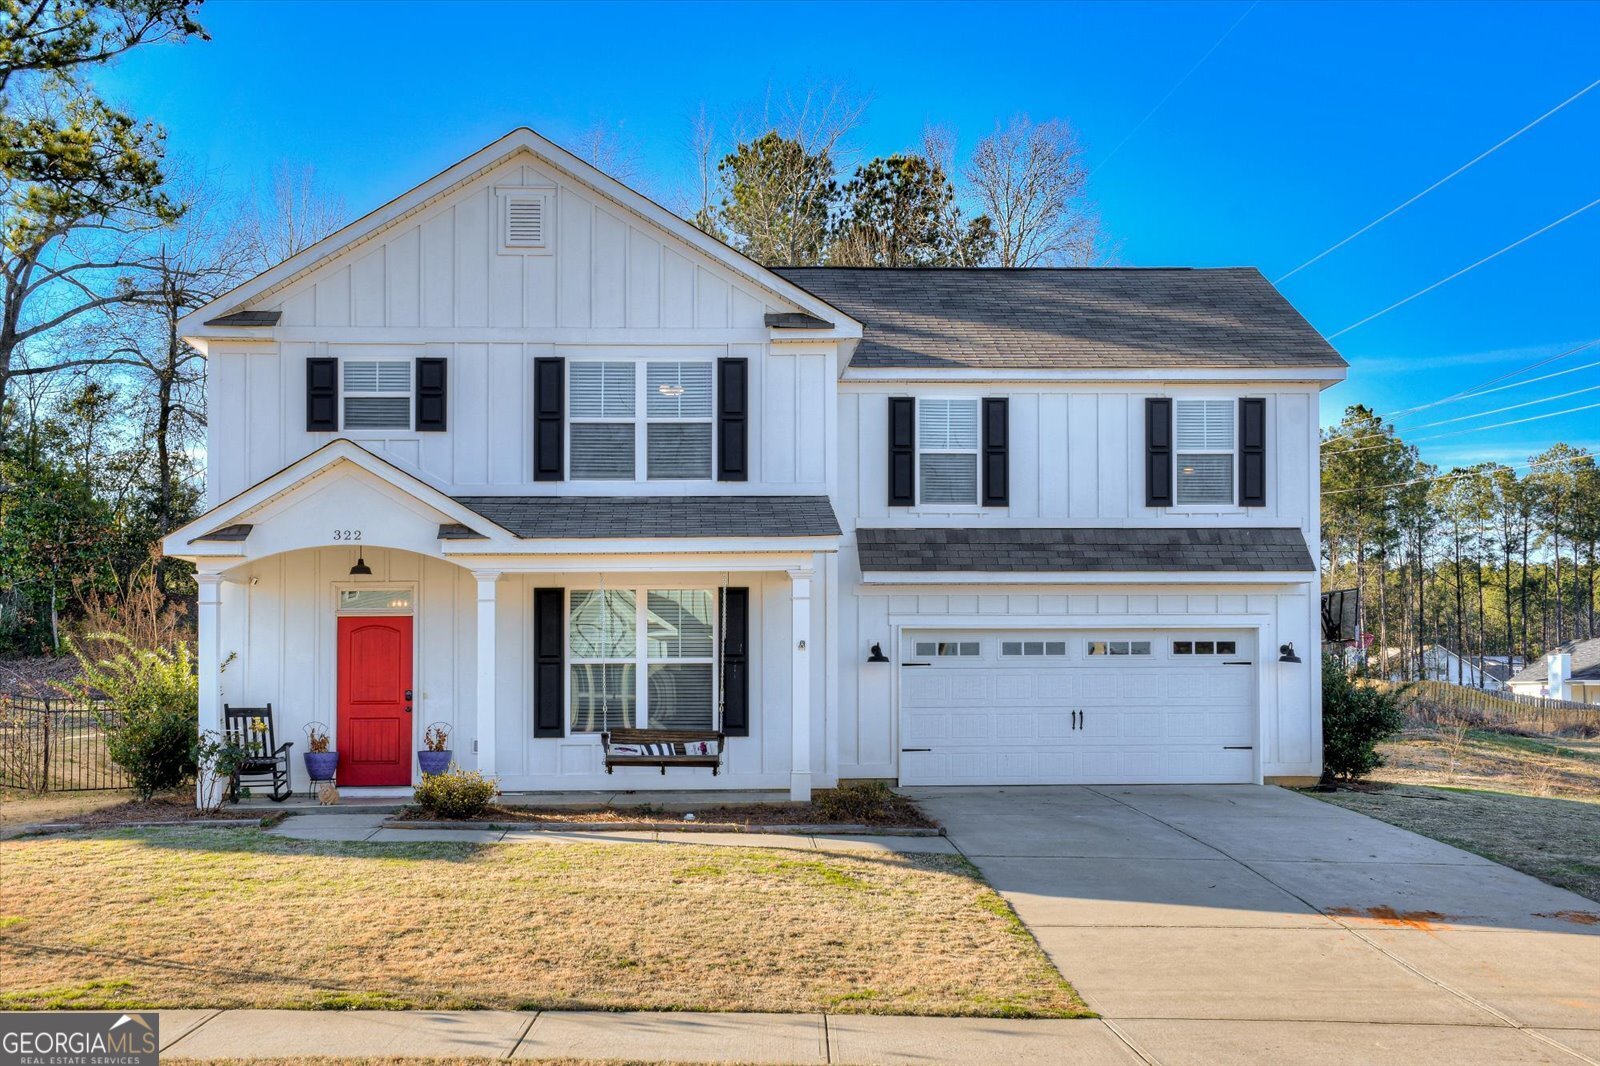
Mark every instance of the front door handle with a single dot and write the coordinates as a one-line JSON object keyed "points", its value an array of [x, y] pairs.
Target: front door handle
{"points": [[408, 708]]}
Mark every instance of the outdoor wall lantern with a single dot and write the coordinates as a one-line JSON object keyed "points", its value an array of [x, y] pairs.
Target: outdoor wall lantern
{"points": [[361, 569], [1286, 653], [877, 655]]}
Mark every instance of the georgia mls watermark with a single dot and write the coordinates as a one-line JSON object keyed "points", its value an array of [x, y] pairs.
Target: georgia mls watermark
{"points": [[79, 1038]]}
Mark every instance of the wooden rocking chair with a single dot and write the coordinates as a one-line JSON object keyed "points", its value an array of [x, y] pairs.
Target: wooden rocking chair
{"points": [[251, 728]]}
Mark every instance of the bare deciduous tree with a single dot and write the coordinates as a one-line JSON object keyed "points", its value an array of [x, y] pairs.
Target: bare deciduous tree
{"points": [[295, 213], [609, 152], [1030, 180]]}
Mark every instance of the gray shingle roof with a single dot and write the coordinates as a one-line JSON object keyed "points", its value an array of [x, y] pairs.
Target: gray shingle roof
{"points": [[1585, 663], [247, 318], [1089, 318], [560, 517], [991, 550]]}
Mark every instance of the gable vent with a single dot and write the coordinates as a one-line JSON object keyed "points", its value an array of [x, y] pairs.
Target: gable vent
{"points": [[525, 223]]}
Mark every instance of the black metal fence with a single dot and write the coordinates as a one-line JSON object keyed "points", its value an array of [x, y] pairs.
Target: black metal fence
{"points": [[55, 744]]}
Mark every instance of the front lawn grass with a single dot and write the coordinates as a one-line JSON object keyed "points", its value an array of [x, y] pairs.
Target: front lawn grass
{"points": [[238, 918], [1554, 839]]}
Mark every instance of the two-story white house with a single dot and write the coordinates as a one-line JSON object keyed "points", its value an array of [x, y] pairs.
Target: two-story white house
{"points": [[524, 453]]}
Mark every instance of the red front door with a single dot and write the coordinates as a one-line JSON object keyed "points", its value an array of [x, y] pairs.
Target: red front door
{"points": [[375, 706]]}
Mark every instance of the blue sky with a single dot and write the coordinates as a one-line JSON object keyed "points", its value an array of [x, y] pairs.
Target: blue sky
{"points": [[1306, 122]]}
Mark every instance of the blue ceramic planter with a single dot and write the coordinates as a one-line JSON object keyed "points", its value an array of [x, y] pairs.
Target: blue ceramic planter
{"points": [[320, 765], [434, 762]]}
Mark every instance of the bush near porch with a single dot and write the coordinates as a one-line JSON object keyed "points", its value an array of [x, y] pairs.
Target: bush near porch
{"points": [[237, 918]]}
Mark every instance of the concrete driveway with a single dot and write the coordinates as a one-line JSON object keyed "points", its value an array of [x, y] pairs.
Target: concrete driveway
{"points": [[1237, 923]]}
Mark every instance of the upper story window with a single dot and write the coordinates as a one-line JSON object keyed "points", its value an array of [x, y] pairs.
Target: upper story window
{"points": [[376, 393], [607, 435], [947, 451], [1204, 449]]}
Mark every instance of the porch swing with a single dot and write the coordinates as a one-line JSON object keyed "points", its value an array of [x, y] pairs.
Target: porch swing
{"points": [[668, 747]]}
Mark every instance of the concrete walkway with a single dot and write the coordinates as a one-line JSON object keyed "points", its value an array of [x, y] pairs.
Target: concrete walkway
{"points": [[646, 1037], [1245, 924], [369, 827]]}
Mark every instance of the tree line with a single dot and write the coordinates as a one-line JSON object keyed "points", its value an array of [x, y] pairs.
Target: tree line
{"points": [[1484, 560]]}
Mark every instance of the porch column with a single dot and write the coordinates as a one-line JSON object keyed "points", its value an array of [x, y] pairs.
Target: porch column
{"points": [[208, 625], [488, 598], [800, 684]]}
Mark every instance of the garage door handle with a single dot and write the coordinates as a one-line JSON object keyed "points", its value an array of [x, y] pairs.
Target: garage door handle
{"points": [[916, 664], [903, 750], [1238, 747], [1238, 663]]}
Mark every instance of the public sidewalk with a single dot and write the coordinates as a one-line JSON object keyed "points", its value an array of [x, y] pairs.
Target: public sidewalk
{"points": [[369, 827], [650, 1037]]}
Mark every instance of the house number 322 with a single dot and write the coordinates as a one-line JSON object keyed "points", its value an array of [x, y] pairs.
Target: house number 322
{"points": [[347, 534]]}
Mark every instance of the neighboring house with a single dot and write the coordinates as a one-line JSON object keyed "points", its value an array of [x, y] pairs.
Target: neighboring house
{"points": [[525, 453], [1571, 673], [1439, 663]]}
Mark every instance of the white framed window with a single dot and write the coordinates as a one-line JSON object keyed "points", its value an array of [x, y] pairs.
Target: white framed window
{"points": [[1033, 648], [666, 636], [1204, 451], [678, 421], [1204, 647], [375, 393], [601, 401], [947, 451], [607, 439], [1119, 647], [969, 649], [526, 220]]}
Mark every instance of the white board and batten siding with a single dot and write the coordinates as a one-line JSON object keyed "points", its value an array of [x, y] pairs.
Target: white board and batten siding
{"points": [[1076, 454], [439, 283]]}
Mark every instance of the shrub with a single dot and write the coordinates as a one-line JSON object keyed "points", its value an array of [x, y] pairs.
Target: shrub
{"points": [[456, 793], [865, 801], [151, 716], [1355, 717]]}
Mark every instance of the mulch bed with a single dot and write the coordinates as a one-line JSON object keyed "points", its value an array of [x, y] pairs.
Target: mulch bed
{"points": [[162, 810], [898, 812]]}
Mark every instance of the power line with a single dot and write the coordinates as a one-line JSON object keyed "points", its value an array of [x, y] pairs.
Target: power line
{"points": [[1503, 388], [1464, 167], [1512, 407], [1465, 269], [1529, 465], [1474, 390], [1396, 441], [1175, 87]]}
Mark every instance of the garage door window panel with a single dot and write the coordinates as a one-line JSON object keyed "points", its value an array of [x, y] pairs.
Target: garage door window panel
{"points": [[1119, 647]]}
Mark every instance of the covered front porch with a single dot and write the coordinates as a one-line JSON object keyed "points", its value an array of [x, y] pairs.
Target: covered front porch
{"points": [[359, 601]]}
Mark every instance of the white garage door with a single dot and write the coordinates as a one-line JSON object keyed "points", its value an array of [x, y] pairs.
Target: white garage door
{"points": [[1077, 707]]}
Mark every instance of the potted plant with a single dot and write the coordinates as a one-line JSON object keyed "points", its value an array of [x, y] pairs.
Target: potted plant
{"points": [[436, 754], [321, 760]]}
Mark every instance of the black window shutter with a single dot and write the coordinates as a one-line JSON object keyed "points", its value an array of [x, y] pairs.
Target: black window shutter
{"points": [[736, 662], [1252, 453], [1157, 452], [733, 419], [902, 451], [549, 670], [431, 397], [996, 452], [549, 418], [322, 395]]}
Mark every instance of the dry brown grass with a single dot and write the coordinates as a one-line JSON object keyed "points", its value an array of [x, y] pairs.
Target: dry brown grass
{"points": [[24, 808], [237, 918], [1555, 840], [1555, 766], [1531, 803]]}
